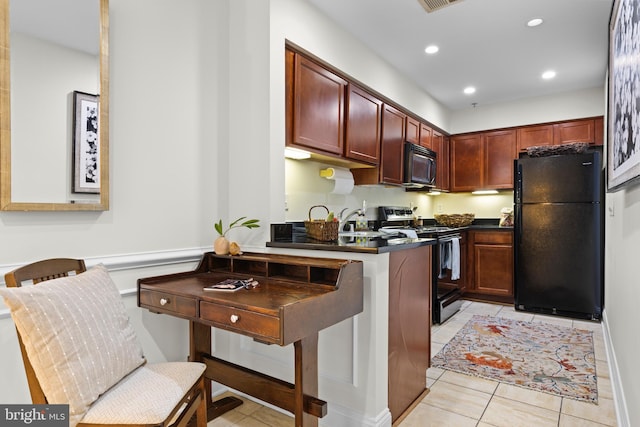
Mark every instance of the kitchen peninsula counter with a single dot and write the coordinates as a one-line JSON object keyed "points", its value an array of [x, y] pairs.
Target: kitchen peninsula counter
{"points": [[380, 370]]}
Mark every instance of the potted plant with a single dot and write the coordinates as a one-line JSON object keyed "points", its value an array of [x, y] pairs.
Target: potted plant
{"points": [[221, 244]]}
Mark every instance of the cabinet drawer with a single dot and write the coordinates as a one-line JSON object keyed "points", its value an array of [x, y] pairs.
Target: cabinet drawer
{"points": [[493, 237], [243, 321], [181, 306]]}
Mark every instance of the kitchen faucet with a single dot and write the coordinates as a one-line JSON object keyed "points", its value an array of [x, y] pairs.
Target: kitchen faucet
{"points": [[344, 219]]}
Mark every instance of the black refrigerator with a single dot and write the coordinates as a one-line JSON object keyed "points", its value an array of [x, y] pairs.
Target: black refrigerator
{"points": [[559, 235]]}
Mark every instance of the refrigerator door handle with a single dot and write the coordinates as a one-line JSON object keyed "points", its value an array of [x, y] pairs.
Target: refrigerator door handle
{"points": [[518, 183], [518, 223]]}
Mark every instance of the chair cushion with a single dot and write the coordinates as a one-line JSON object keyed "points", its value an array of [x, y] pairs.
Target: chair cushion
{"points": [[77, 334], [147, 395]]}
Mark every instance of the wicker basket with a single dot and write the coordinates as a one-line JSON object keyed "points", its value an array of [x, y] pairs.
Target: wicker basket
{"points": [[321, 229], [553, 150], [454, 220]]}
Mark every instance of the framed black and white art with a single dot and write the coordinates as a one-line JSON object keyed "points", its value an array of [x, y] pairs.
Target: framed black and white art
{"points": [[86, 143], [624, 95]]}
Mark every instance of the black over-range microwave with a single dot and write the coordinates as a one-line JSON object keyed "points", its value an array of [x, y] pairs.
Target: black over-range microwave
{"points": [[419, 166]]}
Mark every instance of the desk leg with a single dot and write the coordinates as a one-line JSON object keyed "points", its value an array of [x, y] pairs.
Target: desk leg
{"points": [[306, 378], [199, 345]]}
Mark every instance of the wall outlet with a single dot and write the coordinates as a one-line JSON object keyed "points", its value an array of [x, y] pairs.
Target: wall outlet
{"points": [[439, 208]]}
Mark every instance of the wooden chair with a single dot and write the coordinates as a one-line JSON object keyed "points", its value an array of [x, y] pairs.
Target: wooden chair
{"points": [[193, 402]]}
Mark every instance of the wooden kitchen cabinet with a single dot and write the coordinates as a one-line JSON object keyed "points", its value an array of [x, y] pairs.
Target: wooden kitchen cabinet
{"points": [[440, 144], [482, 160], [598, 124], [392, 146], [590, 130], [391, 168], [409, 327], [499, 153], [574, 131], [318, 105], [364, 120], [466, 162], [490, 265], [532, 136], [412, 130], [426, 136]]}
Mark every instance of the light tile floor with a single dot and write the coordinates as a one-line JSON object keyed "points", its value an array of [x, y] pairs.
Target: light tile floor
{"points": [[457, 400], [463, 400]]}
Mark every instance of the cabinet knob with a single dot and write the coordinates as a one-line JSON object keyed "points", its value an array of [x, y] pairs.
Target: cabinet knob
{"points": [[234, 318], [164, 301]]}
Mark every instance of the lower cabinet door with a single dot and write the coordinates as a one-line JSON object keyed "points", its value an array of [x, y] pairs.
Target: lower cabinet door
{"points": [[492, 263], [409, 326]]}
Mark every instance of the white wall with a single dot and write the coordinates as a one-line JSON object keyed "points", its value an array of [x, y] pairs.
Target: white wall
{"points": [[622, 294], [563, 106], [165, 79]]}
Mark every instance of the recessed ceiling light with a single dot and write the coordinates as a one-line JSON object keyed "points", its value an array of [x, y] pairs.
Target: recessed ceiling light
{"points": [[547, 75], [431, 49], [469, 90], [534, 22]]}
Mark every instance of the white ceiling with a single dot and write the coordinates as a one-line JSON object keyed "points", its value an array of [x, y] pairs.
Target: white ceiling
{"points": [[484, 43]]}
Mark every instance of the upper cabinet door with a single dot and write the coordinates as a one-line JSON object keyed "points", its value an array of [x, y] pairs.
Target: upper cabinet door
{"points": [[499, 152], [440, 144], [412, 130], [426, 137], [531, 136], [466, 162], [364, 120], [318, 107], [575, 131], [393, 137], [483, 160]]}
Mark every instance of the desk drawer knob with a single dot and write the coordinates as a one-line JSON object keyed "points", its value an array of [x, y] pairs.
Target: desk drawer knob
{"points": [[234, 318], [164, 301]]}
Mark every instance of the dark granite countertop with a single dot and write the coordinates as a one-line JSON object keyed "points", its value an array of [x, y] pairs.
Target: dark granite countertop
{"points": [[352, 244], [299, 239]]}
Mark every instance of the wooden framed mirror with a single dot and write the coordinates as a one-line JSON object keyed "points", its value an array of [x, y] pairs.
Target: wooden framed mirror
{"points": [[64, 165]]}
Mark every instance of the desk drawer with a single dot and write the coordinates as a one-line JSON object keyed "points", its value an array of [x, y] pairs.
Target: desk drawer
{"points": [[181, 306], [243, 321]]}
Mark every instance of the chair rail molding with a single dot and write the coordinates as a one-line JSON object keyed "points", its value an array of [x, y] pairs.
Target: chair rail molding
{"points": [[124, 262]]}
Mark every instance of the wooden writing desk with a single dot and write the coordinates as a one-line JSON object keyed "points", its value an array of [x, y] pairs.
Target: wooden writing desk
{"points": [[296, 298]]}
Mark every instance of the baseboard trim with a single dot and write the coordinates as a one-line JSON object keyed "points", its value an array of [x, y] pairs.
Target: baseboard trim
{"points": [[622, 414]]}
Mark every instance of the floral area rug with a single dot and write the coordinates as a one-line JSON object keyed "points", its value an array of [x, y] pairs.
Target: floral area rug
{"points": [[540, 356]]}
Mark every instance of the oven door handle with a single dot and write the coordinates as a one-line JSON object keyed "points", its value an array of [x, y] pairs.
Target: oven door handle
{"points": [[448, 238]]}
